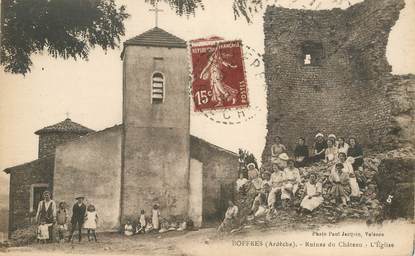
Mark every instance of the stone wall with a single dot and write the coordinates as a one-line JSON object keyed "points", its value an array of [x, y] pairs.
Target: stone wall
{"points": [[22, 178], [344, 92], [91, 167], [220, 171], [156, 144], [401, 94], [49, 141]]}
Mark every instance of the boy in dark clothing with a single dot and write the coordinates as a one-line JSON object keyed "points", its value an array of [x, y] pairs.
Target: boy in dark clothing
{"points": [[78, 217]]}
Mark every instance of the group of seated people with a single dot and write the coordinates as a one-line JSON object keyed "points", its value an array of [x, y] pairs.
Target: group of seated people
{"points": [[279, 188], [152, 224], [324, 149]]}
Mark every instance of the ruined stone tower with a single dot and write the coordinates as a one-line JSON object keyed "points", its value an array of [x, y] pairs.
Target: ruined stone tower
{"points": [[327, 71]]}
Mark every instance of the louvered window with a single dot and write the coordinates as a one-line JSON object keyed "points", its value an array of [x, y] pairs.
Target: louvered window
{"points": [[157, 88]]}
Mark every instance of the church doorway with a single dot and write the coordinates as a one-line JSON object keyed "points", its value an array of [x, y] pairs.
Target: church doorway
{"points": [[36, 195], [196, 192]]}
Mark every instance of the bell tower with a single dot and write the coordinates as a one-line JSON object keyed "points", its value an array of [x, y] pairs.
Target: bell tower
{"points": [[156, 118]]}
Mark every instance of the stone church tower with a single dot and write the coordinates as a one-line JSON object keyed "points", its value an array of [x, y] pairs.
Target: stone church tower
{"points": [[156, 118]]}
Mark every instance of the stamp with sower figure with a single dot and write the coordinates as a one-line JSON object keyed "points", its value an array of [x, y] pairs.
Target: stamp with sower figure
{"points": [[219, 80]]}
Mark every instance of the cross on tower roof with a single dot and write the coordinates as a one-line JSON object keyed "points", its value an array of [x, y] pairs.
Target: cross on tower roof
{"points": [[67, 115], [156, 11]]}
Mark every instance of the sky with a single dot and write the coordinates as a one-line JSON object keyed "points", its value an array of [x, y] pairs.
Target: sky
{"points": [[91, 91]]}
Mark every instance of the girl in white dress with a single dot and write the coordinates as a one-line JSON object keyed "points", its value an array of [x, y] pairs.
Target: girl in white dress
{"points": [[155, 217], [313, 197], [90, 224]]}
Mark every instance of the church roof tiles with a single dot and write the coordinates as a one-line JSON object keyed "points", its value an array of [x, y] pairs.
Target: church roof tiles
{"points": [[40, 161], [65, 126], [157, 37]]}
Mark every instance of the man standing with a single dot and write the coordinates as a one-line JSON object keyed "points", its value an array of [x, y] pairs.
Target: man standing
{"points": [[78, 217], [46, 212]]}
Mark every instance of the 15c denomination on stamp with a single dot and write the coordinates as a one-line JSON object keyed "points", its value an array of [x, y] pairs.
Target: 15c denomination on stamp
{"points": [[218, 72]]}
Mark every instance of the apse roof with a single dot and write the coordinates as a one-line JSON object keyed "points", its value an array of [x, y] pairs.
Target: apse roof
{"points": [[66, 125]]}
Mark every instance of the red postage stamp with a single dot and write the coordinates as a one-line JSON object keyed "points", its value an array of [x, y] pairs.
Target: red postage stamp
{"points": [[218, 71]]}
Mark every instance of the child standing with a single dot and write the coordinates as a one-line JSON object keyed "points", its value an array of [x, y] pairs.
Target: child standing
{"points": [[61, 221], [91, 220], [155, 217], [142, 223], [43, 231]]}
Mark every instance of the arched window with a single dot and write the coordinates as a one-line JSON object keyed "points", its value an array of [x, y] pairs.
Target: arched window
{"points": [[312, 54], [157, 88]]}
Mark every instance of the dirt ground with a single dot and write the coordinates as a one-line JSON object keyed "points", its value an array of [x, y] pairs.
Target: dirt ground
{"points": [[170, 243], [206, 242], [114, 243]]}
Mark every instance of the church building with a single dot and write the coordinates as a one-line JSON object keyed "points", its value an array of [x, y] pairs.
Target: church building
{"points": [[149, 159]]}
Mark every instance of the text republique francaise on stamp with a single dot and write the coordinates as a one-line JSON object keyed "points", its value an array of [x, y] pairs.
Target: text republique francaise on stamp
{"points": [[218, 72]]}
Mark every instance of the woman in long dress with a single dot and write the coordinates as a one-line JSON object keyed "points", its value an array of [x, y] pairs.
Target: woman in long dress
{"points": [[313, 194], [348, 168], [340, 189]]}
